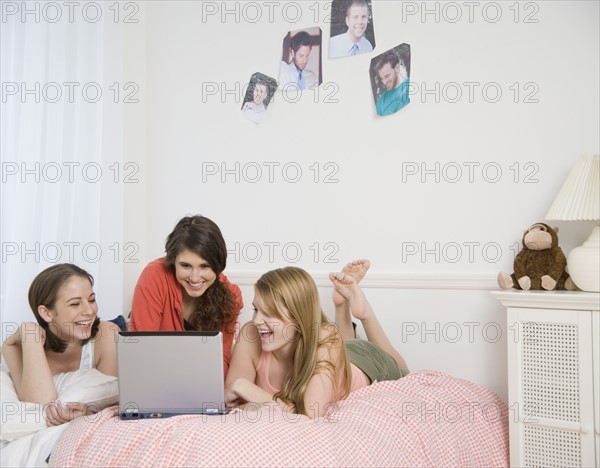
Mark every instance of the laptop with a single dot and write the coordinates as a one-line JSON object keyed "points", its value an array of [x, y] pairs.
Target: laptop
{"points": [[170, 373]]}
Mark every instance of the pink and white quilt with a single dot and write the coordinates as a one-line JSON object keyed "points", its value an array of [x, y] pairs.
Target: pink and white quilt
{"points": [[424, 419]]}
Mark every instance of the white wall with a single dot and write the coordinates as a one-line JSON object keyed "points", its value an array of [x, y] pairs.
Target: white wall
{"points": [[375, 208]]}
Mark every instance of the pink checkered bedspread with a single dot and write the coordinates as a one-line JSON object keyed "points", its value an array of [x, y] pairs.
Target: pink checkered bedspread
{"points": [[424, 419]]}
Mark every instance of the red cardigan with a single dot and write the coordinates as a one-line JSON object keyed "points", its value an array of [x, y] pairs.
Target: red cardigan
{"points": [[157, 304]]}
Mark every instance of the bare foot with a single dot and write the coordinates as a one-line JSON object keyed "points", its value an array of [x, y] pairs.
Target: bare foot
{"points": [[356, 269], [347, 287]]}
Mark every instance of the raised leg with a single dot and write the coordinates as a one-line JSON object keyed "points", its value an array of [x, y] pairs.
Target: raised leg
{"points": [[356, 269], [348, 287]]}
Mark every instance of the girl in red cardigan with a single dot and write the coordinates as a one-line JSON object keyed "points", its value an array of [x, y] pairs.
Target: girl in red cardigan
{"points": [[186, 290]]}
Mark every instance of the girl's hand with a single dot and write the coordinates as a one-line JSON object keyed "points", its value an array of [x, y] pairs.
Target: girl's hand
{"points": [[58, 413], [232, 395], [244, 391], [27, 333]]}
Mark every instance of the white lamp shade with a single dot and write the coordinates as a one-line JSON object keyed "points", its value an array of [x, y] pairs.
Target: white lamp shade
{"points": [[579, 197], [579, 200], [584, 263]]}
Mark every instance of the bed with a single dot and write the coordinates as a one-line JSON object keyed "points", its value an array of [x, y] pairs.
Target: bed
{"points": [[424, 419], [25, 440]]}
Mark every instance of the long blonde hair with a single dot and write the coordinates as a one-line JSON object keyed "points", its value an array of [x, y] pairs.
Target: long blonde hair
{"points": [[294, 289]]}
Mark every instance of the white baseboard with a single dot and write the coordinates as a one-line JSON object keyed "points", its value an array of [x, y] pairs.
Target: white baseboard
{"points": [[460, 281]]}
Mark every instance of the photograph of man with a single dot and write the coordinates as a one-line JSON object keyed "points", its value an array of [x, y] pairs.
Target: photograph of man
{"points": [[390, 79], [301, 59], [351, 28], [261, 89]]}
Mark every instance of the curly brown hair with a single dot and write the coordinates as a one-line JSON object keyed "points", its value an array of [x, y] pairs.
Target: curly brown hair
{"points": [[217, 307]]}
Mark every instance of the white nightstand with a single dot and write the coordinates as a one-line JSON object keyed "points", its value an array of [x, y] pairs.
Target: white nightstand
{"points": [[553, 377]]}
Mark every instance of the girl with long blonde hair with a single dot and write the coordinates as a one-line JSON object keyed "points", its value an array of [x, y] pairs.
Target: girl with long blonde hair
{"points": [[292, 354]]}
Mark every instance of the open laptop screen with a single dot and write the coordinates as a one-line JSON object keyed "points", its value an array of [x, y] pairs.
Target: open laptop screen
{"points": [[168, 373]]}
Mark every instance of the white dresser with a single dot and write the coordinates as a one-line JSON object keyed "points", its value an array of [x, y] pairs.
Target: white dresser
{"points": [[553, 346]]}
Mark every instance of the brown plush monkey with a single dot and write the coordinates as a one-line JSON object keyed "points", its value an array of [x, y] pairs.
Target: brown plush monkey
{"points": [[540, 264]]}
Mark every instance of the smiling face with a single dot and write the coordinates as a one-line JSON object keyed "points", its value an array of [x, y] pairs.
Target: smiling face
{"points": [[357, 20], [389, 76], [260, 93], [276, 334], [301, 56], [74, 311], [193, 273]]}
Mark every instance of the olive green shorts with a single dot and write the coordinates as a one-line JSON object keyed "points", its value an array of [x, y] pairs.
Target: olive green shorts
{"points": [[377, 364]]}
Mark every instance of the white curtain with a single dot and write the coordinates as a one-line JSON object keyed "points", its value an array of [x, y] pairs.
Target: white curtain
{"points": [[61, 149]]}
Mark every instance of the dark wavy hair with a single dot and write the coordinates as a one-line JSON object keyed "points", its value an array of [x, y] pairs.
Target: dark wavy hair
{"points": [[217, 306], [389, 56], [301, 38], [44, 290]]}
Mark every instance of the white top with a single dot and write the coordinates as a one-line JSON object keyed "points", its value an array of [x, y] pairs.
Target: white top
{"points": [[87, 356], [341, 46], [288, 75]]}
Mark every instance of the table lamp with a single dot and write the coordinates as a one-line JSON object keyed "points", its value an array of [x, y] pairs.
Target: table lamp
{"points": [[579, 200]]}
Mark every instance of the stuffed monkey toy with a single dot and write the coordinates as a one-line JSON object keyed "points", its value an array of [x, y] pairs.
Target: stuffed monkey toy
{"points": [[540, 264]]}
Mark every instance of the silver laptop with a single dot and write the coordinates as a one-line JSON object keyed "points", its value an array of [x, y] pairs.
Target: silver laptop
{"points": [[163, 374]]}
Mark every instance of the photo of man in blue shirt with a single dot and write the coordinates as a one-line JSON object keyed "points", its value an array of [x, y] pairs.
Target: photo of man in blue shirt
{"points": [[391, 72]]}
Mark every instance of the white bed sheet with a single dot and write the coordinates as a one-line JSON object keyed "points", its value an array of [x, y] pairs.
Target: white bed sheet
{"points": [[25, 440]]}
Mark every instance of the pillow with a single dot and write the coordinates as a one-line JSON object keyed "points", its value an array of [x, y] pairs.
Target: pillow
{"points": [[84, 385], [87, 386]]}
